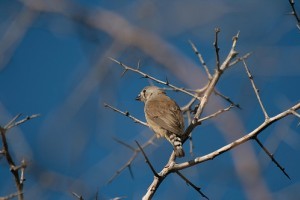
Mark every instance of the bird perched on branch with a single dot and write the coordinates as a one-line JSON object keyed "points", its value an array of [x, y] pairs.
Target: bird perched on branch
{"points": [[163, 116]]}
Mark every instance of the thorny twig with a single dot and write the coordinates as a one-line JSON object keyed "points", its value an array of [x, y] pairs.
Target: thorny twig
{"points": [[191, 184], [131, 159], [17, 171], [294, 13], [147, 160]]}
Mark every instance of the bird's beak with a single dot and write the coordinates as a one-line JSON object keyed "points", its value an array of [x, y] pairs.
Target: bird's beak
{"points": [[138, 98]]}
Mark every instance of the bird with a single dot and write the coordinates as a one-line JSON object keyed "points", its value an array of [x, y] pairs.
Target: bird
{"points": [[163, 116]]}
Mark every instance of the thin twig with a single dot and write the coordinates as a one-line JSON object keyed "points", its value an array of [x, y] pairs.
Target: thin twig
{"points": [[126, 113], [126, 67], [130, 160], [256, 91], [294, 12], [216, 113], [217, 49], [227, 99], [239, 59], [11, 196], [147, 160], [77, 196], [124, 144], [18, 176], [272, 157], [198, 189], [13, 122], [201, 59]]}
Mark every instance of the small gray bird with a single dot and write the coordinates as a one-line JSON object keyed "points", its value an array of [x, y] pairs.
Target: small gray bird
{"points": [[163, 116]]}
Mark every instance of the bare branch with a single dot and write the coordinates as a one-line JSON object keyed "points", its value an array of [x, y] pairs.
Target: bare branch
{"points": [[17, 171], [147, 160], [124, 144], [191, 184], [13, 122], [126, 67], [129, 162], [294, 13], [239, 59], [255, 90], [119, 198], [77, 196], [296, 114], [216, 113], [227, 99], [201, 59], [217, 49], [239, 141], [211, 86], [11, 196], [272, 157], [126, 113]]}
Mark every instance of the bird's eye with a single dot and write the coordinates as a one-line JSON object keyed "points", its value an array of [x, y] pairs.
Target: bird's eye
{"points": [[144, 91]]}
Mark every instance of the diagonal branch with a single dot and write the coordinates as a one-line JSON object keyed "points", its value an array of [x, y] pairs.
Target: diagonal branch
{"points": [[227, 99], [255, 90], [11, 196], [126, 67], [124, 144], [272, 157], [217, 49], [126, 113], [129, 162], [14, 123], [237, 142], [147, 160], [201, 60], [294, 13], [216, 113], [79, 197], [191, 184]]}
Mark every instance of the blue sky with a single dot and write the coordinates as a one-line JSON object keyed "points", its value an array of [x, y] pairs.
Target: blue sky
{"points": [[57, 66]]}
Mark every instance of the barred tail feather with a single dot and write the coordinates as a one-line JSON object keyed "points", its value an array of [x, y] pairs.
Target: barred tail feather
{"points": [[177, 145]]}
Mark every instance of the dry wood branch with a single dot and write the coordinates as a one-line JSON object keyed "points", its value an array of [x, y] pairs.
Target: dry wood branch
{"points": [[14, 123], [173, 167], [144, 75], [294, 13], [211, 86], [201, 59], [216, 113], [124, 144], [17, 171], [147, 160], [272, 157], [255, 90], [239, 141], [198, 189], [126, 113], [227, 99], [239, 59], [266, 118], [217, 49], [77, 196], [131, 159], [11, 196]]}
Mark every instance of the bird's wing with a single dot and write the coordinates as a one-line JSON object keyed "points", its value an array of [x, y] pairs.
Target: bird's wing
{"points": [[165, 113]]}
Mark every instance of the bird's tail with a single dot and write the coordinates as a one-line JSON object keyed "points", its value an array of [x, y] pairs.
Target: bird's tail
{"points": [[177, 145]]}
